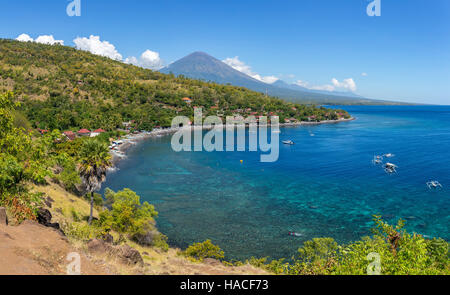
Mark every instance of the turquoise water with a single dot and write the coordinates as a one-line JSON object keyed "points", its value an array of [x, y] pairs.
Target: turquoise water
{"points": [[324, 186]]}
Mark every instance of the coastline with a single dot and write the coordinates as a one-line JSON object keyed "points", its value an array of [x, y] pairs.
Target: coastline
{"points": [[131, 140]]}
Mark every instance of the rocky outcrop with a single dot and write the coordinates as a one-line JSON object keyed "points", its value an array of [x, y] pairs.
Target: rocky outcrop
{"points": [[108, 238], [99, 246], [147, 238], [3, 216], [48, 202], [130, 255], [44, 217], [126, 254]]}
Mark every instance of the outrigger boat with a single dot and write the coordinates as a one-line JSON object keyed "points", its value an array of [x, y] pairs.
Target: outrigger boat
{"points": [[289, 142], [294, 234], [389, 155], [390, 168], [377, 160], [434, 184]]}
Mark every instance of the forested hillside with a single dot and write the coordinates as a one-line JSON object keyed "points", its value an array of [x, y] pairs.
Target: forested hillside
{"points": [[60, 87]]}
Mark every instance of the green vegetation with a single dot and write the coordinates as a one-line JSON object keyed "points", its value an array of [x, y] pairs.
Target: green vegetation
{"points": [[64, 88], [27, 159], [94, 161], [398, 253], [127, 214], [68, 175], [22, 161], [200, 251]]}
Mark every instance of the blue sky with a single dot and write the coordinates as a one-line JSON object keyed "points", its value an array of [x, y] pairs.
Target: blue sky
{"points": [[404, 53]]}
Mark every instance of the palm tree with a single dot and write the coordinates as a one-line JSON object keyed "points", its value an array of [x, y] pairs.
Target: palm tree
{"points": [[94, 160]]}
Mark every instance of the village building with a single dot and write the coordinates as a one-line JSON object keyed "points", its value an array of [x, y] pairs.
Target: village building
{"points": [[127, 125], [186, 99], [97, 132], [312, 118], [70, 135], [84, 132], [42, 131]]}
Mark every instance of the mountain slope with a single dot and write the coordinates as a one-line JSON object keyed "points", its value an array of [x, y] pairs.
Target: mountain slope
{"points": [[64, 88], [200, 65], [283, 84]]}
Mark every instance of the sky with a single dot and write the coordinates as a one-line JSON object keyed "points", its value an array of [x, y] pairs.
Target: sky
{"points": [[402, 55]]}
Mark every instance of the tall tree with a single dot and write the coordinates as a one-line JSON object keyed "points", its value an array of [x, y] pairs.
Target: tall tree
{"points": [[94, 161]]}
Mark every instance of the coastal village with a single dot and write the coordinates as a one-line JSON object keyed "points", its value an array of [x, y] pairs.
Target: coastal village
{"points": [[130, 130]]}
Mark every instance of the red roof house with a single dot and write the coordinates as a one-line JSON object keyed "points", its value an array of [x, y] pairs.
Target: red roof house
{"points": [[42, 131], [70, 135], [84, 132]]}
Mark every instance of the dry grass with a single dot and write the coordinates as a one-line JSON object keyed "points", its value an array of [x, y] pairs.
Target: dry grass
{"points": [[64, 202], [156, 260]]}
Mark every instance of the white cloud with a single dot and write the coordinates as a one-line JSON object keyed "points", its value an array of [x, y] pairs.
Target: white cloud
{"points": [[240, 66], [24, 38], [346, 84], [132, 60], [44, 39], [364, 74], [149, 60], [269, 79], [94, 45], [302, 83], [48, 39], [323, 87]]}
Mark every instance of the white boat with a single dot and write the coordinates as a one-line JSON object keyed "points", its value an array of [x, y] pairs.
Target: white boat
{"points": [[434, 184], [289, 142], [377, 160], [390, 168]]}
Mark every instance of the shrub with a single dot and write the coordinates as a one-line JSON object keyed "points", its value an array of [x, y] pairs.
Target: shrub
{"points": [[23, 205], [160, 242], [81, 231], [68, 176], [127, 215], [207, 249], [11, 172]]}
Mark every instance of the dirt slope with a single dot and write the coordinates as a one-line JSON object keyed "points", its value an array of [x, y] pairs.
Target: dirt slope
{"points": [[32, 249]]}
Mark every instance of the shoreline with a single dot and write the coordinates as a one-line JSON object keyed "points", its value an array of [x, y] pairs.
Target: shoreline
{"points": [[131, 140]]}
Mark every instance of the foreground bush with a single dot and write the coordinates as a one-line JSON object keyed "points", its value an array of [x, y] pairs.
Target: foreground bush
{"points": [[126, 215], [207, 249], [390, 251]]}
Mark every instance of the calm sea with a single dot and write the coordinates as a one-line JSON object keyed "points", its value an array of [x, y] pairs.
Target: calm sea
{"points": [[323, 186]]}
